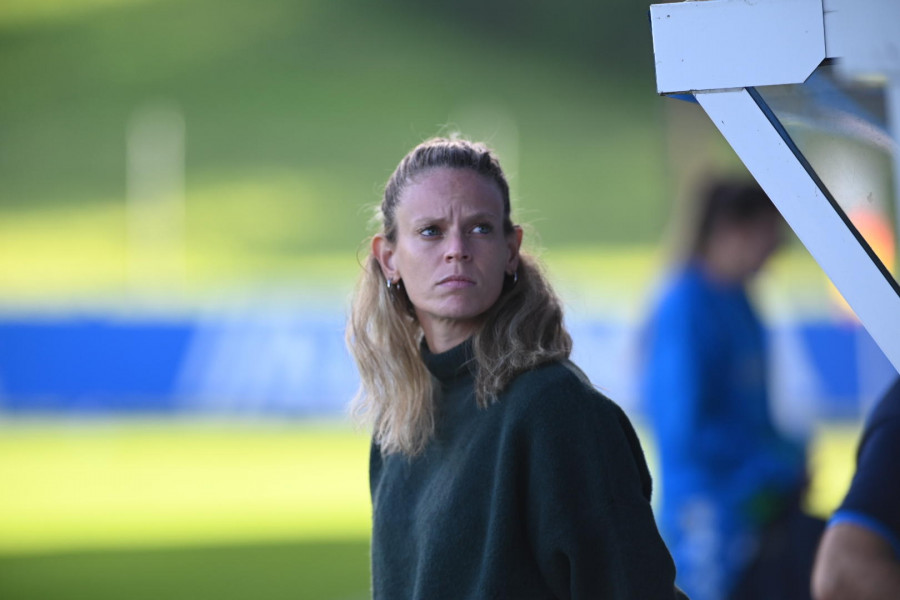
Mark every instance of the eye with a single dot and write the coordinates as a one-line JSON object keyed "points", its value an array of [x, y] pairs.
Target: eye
{"points": [[430, 231], [483, 228]]}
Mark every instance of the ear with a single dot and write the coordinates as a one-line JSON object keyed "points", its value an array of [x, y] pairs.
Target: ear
{"points": [[383, 251], [513, 244]]}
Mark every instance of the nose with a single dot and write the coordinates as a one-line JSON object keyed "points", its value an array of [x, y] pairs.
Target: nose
{"points": [[457, 248]]}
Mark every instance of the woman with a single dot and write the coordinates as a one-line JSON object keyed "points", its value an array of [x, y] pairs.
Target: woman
{"points": [[732, 482], [497, 471]]}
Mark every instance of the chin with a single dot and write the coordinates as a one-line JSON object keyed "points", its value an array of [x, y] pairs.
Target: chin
{"points": [[461, 313]]}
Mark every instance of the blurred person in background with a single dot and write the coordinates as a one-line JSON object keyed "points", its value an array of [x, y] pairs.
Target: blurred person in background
{"points": [[859, 556], [731, 483], [496, 469]]}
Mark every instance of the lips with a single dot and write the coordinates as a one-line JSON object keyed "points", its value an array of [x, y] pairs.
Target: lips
{"points": [[456, 281]]}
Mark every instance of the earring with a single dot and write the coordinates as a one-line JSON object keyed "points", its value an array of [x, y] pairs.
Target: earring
{"points": [[390, 284]]}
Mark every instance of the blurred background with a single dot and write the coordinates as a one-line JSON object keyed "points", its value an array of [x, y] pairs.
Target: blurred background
{"points": [[185, 194]]}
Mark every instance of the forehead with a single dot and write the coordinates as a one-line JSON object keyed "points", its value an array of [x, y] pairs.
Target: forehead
{"points": [[443, 190]]}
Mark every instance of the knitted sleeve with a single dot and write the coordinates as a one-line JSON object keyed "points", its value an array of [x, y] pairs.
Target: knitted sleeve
{"points": [[587, 498]]}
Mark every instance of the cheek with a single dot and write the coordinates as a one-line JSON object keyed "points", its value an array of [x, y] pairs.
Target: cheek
{"points": [[503, 260], [493, 293], [496, 274], [414, 267]]}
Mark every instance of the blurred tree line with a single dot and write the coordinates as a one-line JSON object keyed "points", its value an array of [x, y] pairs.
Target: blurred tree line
{"points": [[296, 111], [613, 35]]}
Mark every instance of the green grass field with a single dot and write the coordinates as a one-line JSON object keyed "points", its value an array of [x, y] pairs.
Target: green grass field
{"points": [[174, 509], [192, 510], [295, 113], [314, 570], [161, 483]]}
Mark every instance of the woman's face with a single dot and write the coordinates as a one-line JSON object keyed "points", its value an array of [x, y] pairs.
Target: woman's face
{"points": [[450, 251], [756, 240]]}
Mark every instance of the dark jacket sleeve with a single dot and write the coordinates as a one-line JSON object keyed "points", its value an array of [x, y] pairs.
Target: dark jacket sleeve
{"points": [[587, 499], [873, 500]]}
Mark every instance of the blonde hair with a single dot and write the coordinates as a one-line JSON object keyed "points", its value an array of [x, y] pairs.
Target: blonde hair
{"points": [[524, 327]]}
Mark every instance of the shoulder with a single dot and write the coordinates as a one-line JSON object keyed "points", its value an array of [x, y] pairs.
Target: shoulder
{"points": [[556, 413], [685, 292], [687, 280], [556, 382], [559, 395], [881, 437], [874, 495]]}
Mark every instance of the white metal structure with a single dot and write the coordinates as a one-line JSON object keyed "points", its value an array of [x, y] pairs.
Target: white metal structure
{"points": [[727, 52]]}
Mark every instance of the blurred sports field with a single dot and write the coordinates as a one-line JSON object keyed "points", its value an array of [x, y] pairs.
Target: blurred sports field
{"points": [[150, 508], [286, 117], [162, 509]]}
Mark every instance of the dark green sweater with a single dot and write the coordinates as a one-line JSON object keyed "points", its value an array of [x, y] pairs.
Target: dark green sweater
{"points": [[545, 494]]}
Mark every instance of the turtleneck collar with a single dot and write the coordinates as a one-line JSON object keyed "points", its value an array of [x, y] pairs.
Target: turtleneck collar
{"points": [[449, 365]]}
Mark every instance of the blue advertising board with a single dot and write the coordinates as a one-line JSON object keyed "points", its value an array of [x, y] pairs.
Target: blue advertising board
{"points": [[253, 364]]}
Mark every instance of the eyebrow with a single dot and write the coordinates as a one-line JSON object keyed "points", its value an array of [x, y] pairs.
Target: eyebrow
{"points": [[477, 216]]}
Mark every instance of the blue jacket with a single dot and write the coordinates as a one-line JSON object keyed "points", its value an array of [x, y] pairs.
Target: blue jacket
{"points": [[725, 469]]}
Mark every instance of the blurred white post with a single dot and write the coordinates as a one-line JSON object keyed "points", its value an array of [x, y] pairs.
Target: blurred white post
{"points": [[155, 198]]}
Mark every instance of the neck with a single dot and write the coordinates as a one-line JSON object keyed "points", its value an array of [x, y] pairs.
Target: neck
{"points": [[721, 269], [441, 335]]}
